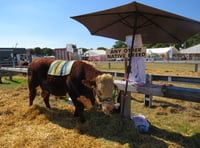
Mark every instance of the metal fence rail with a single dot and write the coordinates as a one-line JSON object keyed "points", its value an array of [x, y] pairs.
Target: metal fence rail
{"points": [[155, 77], [12, 69], [169, 78]]}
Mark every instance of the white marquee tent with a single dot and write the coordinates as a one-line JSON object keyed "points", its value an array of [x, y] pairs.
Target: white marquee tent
{"points": [[192, 53], [191, 50], [166, 52], [96, 55]]}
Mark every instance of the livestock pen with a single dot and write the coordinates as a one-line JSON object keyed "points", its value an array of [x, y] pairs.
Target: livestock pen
{"points": [[174, 123], [149, 89]]}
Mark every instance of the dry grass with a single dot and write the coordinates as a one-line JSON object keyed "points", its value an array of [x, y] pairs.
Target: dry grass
{"points": [[172, 69], [174, 123], [37, 126]]}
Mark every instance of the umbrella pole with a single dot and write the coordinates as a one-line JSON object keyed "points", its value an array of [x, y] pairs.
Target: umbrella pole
{"points": [[126, 95], [129, 66], [125, 67]]}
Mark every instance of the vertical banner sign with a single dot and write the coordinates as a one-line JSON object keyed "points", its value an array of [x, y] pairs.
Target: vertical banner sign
{"points": [[137, 74]]}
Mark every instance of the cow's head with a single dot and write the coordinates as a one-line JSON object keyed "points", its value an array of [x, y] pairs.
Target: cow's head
{"points": [[102, 89]]}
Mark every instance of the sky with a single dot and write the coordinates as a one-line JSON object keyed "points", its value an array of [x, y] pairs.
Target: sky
{"points": [[47, 23]]}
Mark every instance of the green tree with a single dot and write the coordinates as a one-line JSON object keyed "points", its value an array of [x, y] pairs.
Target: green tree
{"points": [[47, 51], [74, 46], [119, 44], [32, 51], [101, 48], [157, 45], [194, 40], [84, 49], [38, 51]]}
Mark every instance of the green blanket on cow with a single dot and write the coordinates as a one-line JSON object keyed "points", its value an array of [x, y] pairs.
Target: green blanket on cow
{"points": [[60, 68]]}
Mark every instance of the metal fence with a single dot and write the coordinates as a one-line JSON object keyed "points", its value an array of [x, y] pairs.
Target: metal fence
{"points": [[7, 63]]}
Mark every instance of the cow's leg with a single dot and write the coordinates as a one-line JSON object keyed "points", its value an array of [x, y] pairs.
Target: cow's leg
{"points": [[79, 112], [33, 83], [79, 108], [32, 93], [74, 94], [45, 94]]}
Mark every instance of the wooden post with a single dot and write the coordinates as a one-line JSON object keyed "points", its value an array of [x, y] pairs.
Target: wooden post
{"points": [[1, 79], [196, 68], [10, 75], [109, 65], [147, 97], [125, 105]]}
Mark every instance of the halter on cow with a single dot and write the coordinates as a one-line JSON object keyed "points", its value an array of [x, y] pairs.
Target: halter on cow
{"points": [[83, 80]]}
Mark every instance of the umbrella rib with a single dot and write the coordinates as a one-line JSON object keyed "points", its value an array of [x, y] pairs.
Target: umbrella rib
{"points": [[145, 24], [150, 20], [153, 14], [121, 19], [171, 17], [104, 27]]}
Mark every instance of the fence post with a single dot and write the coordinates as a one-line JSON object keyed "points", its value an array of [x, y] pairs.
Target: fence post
{"points": [[109, 65], [10, 75], [1, 79], [196, 67], [147, 97], [125, 105]]}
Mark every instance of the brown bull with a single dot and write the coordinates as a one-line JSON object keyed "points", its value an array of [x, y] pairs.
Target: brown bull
{"points": [[83, 80]]}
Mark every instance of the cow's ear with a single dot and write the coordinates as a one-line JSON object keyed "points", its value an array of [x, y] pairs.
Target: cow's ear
{"points": [[88, 83]]}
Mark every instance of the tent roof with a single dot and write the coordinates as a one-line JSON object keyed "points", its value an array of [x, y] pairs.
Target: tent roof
{"points": [[194, 49], [160, 50], [94, 53]]}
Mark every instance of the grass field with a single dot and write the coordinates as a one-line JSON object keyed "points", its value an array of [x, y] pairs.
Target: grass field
{"points": [[174, 123], [155, 68]]}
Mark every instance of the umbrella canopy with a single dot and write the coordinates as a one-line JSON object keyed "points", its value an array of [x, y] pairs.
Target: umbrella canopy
{"points": [[155, 25]]}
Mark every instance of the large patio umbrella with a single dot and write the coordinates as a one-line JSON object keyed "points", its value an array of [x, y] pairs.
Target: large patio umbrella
{"points": [[154, 25]]}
